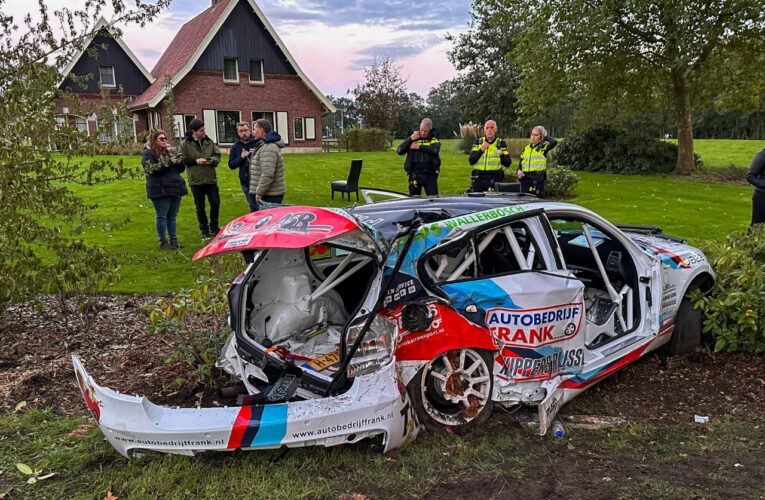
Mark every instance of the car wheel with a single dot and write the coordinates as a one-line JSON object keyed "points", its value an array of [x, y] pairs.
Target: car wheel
{"points": [[688, 324], [454, 389]]}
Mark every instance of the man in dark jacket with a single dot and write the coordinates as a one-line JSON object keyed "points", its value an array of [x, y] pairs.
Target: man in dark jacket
{"points": [[488, 158], [239, 158], [423, 162], [756, 177], [200, 155]]}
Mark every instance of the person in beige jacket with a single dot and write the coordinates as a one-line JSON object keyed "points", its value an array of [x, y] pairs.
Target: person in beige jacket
{"points": [[267, 167]]}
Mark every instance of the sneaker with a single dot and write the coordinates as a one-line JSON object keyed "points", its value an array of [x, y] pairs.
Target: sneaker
{"points": [[174, 244], [165, 245]]}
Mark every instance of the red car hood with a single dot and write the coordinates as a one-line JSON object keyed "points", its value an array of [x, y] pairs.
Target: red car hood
{"points": [[281, 227]]}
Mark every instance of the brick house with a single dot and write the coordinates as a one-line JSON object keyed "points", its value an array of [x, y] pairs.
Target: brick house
{"points": [[225, 65], [228, 65], [113, 67]]}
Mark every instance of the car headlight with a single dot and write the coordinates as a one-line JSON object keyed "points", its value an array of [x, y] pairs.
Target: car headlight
{"points": [[376, 349]]}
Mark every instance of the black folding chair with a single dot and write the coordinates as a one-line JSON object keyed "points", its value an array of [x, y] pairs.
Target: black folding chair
{"points": [[352, 184]]}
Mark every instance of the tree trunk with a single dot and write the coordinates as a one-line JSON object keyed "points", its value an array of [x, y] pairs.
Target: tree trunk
{"points": [[686, 163]]}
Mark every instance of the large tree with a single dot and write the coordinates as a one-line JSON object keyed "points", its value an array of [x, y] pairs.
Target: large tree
{"points": [[442, 107], [614, 55], [41, 217], [381, 97], [487, 81]]}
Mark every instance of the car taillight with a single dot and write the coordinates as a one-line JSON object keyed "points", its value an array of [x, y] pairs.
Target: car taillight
{"points": [[376, 348]]}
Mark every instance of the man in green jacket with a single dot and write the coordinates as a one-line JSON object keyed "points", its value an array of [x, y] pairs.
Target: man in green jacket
{"points": [[200, 155]]}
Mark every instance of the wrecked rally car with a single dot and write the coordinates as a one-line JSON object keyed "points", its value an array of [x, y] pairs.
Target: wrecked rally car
{"points": [[374, 320]]}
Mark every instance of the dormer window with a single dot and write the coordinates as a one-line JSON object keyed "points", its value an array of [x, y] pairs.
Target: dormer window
{"points": [[230, 69], [256, 71], [106, 76]]}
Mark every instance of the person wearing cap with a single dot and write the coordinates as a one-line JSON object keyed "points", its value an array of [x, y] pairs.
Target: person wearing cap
{"points": [[200, 155], [532, 169], [488, 157]]}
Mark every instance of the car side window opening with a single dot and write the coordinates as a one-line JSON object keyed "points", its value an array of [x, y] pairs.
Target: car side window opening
{"points": [[502, 250], [611, 283]]}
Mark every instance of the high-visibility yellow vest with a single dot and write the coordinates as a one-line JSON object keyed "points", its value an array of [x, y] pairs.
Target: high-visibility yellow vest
{"points": [[490, 158], [534, 159]]}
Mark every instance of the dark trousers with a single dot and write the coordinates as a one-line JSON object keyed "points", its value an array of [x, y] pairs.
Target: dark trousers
{"points": [[418, 181], [482, 181], [209, 191], [273, 199], [534, 184], [758, 207], [250, 200]]}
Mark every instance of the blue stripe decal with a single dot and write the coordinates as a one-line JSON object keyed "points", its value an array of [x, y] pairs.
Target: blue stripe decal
{"points": [[485, 293], [273, 426]]}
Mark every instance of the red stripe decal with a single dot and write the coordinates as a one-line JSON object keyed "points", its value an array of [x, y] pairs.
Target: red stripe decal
{"points": [[240, 426]]}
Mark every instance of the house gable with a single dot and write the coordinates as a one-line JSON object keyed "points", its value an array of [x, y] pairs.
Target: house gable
{"points": [[244, 36], [108, 52]]}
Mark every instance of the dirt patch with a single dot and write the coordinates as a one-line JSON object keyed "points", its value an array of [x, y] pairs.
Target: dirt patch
{"points": [[114, 343]]}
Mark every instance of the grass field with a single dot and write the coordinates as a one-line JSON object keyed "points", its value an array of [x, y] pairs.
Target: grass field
{"points": [[689, 208]]}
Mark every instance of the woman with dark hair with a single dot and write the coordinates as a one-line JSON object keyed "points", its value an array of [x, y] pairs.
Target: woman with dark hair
{"points": [[164, 186]]}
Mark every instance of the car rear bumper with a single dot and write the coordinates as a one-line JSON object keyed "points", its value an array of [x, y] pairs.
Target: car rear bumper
{"points": [[374, 405]]}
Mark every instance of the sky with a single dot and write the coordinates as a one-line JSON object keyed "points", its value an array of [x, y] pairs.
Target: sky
{"points": [[332, 40]]}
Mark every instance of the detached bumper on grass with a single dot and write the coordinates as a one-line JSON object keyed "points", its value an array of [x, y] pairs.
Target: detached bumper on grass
{"points": [[374, 405]]}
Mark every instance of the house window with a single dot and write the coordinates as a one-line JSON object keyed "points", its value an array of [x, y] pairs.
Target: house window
{"points": [[256, 71], [230, 69], [297, 123], [106, 74], [264, 115], [187, 121], [227, 121]]}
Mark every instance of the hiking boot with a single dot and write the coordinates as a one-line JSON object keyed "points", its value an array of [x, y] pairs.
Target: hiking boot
{"points": [[164, 244], [174, 244], [214, 231]]}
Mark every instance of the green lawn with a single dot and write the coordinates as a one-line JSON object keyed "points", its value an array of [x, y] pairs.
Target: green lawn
{"points": [[717, 153], [689, 208]]}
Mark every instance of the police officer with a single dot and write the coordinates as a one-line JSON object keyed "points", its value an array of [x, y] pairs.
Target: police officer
{"points": [[488, 156], [532, 169], [422, 163]]}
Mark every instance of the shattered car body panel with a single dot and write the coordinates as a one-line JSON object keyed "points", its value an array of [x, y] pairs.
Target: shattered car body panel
{"points": [[361, 322]]}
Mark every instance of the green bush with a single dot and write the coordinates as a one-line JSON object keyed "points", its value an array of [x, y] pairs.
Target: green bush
{"points": [[561, 181], [364, 139], [735, 308], [607, 149]]}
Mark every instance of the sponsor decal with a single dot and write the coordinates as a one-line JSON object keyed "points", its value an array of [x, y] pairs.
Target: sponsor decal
{"points": [[348, 426], [87, 392], [409, 338], [400, 291], [537, 365], [299, 223], [535, 327], [173, 443], [259, 426], [238, 241], [668, 299], [484, 216]]}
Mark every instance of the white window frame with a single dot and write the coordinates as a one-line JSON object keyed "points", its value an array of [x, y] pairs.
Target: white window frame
{"points": [[296, 128], [262, 72], [310, 128], [114, 78], [218, 131], [236, 67], [272, 120]]}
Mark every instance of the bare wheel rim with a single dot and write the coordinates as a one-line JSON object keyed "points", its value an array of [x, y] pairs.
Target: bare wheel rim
{"points": [[456, 386]]}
